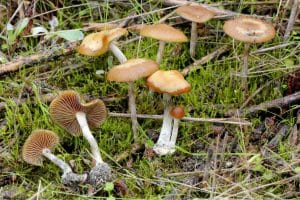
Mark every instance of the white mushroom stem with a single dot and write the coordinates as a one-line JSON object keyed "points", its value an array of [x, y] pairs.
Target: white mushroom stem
{"points": [[81, 118], [174, 133], [245, 68], [160, 51], [131, 101], [162, 145], [117, 52], [57, 161], [193, 41]]}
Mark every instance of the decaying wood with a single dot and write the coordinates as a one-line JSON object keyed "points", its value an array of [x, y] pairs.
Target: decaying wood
{"points": [[197, 64], [45, 55], [276, 103]]}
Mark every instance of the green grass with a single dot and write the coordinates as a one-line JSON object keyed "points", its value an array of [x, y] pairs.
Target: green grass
{"points": [[215, 89]]}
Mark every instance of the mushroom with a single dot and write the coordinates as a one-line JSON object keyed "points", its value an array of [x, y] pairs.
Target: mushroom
{"points": [[38, 145], [177, 113], [128, 72], [196, 14], [248, 30], [169, 83], [96, 44], [67, 111], [164, 33]]}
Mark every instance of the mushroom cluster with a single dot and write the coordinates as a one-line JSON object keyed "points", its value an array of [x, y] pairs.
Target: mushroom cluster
{"points": [[79, 118]]}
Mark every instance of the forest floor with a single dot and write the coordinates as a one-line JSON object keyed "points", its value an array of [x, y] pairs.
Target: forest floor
{"points": [[213, 160]]}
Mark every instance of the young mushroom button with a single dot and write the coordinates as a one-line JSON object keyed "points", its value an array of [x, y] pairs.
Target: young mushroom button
{"points": [[177, 113], [169, 83], [38, 145], [164, 33], [248, 30], [195, 14], [128, 72]]}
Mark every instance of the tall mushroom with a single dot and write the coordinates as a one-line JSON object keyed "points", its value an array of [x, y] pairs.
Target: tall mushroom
{"points": [[67, 111], [129, 72], [38, 145], [169, 83], [164, 33], [195, 14], [248, 30]]}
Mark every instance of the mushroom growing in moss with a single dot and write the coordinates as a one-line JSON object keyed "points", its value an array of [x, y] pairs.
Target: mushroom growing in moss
{"points": [[169, 83], [248, 30], [38, 145], [67, 111]]}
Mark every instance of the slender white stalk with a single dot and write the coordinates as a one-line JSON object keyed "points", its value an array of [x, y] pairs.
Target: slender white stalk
{"points": [[162, 145], [174, 133], [118, 53], [131, 101], [193, 41], [59, 162], [132, 108], [81, 118], [160, 51]]}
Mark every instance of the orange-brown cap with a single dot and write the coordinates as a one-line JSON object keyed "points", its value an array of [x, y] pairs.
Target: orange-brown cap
{"points": [[63, 111], [171, 82], [96, 44], [38, 140], [163, 32], [132, 70], [177, 112], [249, 29], [195, 13]]}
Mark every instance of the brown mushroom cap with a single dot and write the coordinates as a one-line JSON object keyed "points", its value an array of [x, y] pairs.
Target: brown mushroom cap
{"points": [[249, 29], [63, 111], [38, 140], [132, 70], [96, 44], [195, 13], [171, 82], [177, 112], [163, 32]]}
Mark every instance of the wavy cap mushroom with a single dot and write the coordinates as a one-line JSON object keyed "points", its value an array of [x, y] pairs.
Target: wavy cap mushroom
{"points": [[130, 71], [96, 44], [38, 145], [169, 83], [195, 14], [164, 33], [248, 30]]}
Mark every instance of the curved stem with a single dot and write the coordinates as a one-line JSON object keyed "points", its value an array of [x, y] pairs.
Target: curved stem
{"points": [[117, 52], [81, 118], [59, 162], [193, 41], [245, 68], [132, 108], [160, 51]]}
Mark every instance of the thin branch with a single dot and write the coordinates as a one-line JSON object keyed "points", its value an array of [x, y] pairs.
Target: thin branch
{"points": [[292, 19]]}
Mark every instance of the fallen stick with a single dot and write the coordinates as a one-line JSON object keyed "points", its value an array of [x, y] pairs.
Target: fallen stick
{"points": [[197, 64], [47, 98], [276, 103], [292, 18], [15, 65]]}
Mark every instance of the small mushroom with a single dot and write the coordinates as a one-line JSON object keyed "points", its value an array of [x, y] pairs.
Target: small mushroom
{"points": [[67, 111], [164, 33], [195, 14], [169, 83], [129, 72], [248, 30], [177, 113], [96, 44], [38, 145]]}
